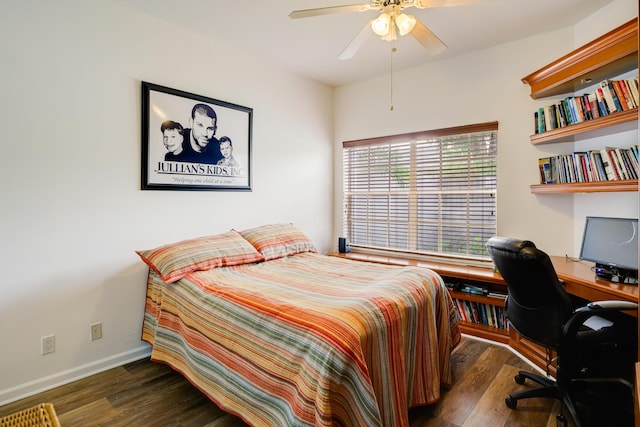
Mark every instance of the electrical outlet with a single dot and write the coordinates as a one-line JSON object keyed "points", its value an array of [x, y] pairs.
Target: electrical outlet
{"points": [[96, 331], [48, 344]]}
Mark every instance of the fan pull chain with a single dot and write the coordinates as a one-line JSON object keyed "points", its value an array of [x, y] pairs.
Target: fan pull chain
{"points": [[393, 50]]}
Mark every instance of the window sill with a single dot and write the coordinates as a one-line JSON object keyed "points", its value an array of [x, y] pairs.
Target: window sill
{"points": [[418, 257], [442, 267]]}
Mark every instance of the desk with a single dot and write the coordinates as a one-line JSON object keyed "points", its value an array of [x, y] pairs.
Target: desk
{"points": [[580, 280], [578, 277]]}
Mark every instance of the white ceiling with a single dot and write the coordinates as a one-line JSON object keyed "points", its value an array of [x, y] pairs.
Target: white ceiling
{"points": [[311, 46]]}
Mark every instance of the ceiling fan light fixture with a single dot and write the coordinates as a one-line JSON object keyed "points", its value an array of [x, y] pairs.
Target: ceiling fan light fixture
{"points": [[405, 23], [381, 24], [391, 35]]}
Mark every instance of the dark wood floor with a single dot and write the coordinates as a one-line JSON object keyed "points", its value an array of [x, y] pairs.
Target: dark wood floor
{"points": [[144, 393]]}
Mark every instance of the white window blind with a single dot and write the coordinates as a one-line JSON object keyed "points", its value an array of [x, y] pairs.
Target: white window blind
{"points": [[430, 192]]}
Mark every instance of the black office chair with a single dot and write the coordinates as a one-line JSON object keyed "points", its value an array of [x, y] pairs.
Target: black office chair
{"points": [[590, 364]]}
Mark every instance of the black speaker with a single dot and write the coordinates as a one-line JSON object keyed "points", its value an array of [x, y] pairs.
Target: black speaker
{"points": [[343, 245]]}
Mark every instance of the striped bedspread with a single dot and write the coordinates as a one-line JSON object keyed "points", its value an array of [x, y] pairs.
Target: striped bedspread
{"points": [[307, 340]]}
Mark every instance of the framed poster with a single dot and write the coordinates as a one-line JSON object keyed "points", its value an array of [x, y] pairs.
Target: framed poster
{"points": [[191, 142]]}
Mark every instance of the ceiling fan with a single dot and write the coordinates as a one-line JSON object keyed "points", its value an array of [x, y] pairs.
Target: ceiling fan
{"points": [[391, 21]]}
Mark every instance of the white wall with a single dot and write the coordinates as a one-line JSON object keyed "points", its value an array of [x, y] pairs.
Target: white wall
{"points": [[72, 209], [480, 87], [609, 204]]}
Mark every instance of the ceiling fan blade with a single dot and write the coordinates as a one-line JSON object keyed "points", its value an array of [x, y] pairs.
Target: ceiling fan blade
{"points": [[306, 13], [356, 43], [426, 38], [424, 4]]}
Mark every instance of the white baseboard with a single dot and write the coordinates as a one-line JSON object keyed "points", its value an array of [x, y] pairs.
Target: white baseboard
{"points": [[52, 381], [511, 349]]}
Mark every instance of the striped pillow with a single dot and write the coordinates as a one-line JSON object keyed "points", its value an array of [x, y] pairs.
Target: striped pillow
{"points": [[174, 261], [278, 240]]}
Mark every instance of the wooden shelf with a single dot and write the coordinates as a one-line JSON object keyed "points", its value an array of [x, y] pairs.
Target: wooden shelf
{"points": [[613, 53], [586, 187], [497, 301], [568, 132], [486, 332], [482, 330]]}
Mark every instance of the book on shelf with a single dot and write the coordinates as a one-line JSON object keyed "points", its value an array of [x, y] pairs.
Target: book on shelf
{"points": [[466, 288], [630, 165], [555, 116], [628, 169], [593, 105], [633, 91], [603, 108], [547, 118], [476, 290], [615, 163], [610, 96], [500, 295], [561, 114], [545, 170], [608, 167], [630, 96], [623, 94], [612, 99], [632, 155], [597, 160], [583, 170], [541, 126], [607, 164], [626, 92], [583, 114]]}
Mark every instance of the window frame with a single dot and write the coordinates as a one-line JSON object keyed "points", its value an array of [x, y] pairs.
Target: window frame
{"points": [[412, 220]]}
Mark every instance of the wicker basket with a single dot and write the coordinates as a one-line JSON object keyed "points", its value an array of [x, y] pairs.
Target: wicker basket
{"points": [[42, 415]]}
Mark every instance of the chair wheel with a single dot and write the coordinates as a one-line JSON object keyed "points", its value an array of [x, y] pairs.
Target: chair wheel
{"points": [[561, 421], [520, 379], [511, 402]]}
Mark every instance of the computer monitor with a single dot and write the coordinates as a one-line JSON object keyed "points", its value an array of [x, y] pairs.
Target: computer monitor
{"points": [[612, 243]]}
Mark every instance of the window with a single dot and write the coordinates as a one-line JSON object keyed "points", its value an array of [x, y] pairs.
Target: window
{"points": [[430, 192]]}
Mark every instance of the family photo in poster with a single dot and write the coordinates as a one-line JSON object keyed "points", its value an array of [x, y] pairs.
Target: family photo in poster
{"points": [[191, 142]]}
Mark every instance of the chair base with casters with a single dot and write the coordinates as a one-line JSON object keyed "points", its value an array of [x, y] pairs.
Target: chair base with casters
{"points": [[549, 389]]}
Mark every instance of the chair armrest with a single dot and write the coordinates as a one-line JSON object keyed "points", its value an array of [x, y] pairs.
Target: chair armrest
{"points": [[581, 314], [612, 305]]}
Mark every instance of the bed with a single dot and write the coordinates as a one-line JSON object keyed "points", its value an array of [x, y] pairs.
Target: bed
{"points": [[280, 335]]}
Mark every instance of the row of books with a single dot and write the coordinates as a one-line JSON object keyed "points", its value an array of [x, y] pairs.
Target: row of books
{"points": [[480, 313], [608, 164], [611, 96], [467, 288]]}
